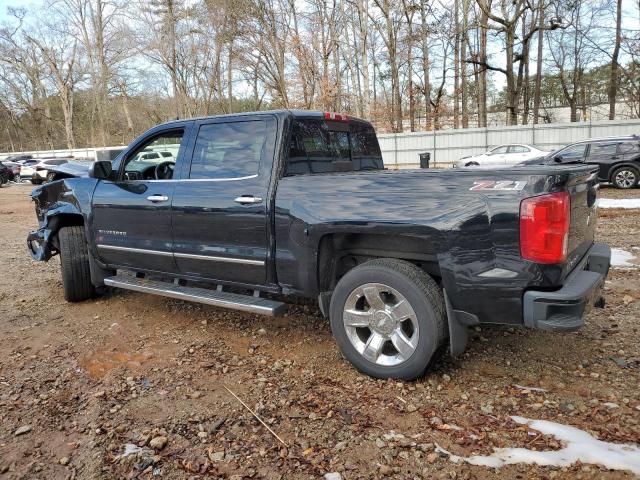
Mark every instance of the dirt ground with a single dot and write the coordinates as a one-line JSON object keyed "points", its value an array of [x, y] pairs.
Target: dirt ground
{"points": [[128, 370]]}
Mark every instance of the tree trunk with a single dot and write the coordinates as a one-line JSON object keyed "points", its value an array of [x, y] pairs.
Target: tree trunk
{"points": [[613, 80], [125, 109], [456, 65], [536, 95], [512, 93], [364, 57], [230, 77], [463, 54], [173, 59], [524, 77], [424, 33], [412, 111], [482, 83]]}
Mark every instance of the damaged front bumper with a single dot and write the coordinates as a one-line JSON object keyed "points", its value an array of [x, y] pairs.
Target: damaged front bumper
{"points": [[38, 245]]}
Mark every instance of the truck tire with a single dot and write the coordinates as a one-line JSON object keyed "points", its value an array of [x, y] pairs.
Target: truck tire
{"points": [[74, 264], [388, 318], [625, 177]]}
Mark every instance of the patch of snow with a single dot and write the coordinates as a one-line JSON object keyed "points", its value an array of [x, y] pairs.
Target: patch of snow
{"points": [[579, 446], [131, 449], [621, 258], [619, 203]]}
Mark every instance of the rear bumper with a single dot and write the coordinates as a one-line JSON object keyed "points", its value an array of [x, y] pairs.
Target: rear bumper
{"points": [[563, 310]]}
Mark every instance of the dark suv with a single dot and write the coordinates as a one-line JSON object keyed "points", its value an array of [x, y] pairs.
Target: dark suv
{"points": [[618, 158]]}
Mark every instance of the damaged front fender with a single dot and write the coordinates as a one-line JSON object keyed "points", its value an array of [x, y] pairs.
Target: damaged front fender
{"points": [[58, 204]]}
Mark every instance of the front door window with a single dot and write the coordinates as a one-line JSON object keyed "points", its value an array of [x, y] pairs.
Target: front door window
{"points": [[156, 159]]}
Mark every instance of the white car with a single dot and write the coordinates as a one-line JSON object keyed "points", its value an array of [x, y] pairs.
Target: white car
{"points": [[503, 155], [146, 156], [38, 173]]}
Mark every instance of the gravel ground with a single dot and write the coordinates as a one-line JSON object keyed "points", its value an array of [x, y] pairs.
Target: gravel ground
{"points": [[81, 383]]}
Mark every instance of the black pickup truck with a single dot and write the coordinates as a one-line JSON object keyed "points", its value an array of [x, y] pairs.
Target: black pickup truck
{"points": [[244, 210]]}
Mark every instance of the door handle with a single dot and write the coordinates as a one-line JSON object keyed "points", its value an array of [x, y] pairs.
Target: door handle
{"points": [[157, 198], [248, 199]]}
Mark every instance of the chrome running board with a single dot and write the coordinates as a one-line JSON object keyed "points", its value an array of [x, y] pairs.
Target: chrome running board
{"points": [[218, 298]]}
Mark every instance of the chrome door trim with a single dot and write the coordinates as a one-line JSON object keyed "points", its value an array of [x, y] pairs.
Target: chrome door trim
{"points": [[243, 261], [134, 250], [192, 256]]}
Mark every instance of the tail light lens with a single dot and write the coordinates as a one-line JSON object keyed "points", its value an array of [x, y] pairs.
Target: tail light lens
{"points": [[544, 227]]}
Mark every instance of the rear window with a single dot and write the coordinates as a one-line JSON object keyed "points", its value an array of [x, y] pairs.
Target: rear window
{"points": [[318, 146], [630, 147], [603, 149]]}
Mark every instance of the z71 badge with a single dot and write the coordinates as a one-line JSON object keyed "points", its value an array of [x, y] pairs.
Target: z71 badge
{"points": [[502, 185]]}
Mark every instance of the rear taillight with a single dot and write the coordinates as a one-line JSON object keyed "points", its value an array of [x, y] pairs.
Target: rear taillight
{"points": [[338, 117], [544, 227]]}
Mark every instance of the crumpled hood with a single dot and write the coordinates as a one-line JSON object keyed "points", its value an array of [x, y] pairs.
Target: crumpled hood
{"points": [[71, 169]]}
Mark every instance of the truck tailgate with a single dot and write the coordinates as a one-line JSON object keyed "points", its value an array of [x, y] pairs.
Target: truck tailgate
{"points": [[582, 187]]}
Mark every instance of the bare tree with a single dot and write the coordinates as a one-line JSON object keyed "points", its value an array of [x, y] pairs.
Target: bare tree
{"points": [[613, 80]]}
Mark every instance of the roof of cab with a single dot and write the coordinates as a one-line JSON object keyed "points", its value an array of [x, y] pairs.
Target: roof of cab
{"points": [[295, 112]]}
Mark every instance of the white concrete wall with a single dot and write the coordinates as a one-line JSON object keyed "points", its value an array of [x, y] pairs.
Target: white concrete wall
{"points": [[401, 150]]}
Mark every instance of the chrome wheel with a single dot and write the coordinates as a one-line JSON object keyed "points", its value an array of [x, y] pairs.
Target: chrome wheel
{"points": [[625, 179], [381, 324]]}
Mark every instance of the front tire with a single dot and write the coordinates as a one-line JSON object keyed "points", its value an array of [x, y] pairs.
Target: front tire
{"points": [[74, 263], [388, 318], [625, 177]]}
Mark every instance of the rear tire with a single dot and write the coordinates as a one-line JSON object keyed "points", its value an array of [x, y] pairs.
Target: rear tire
{"points": [[625, 177], [418, 330], [74, 263]]}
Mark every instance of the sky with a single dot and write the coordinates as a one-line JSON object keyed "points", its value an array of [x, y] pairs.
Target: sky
{"points": [[630, 21]]}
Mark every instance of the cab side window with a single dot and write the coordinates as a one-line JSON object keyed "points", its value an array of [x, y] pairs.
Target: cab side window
{"points": [[156, 159], [228, 150]]}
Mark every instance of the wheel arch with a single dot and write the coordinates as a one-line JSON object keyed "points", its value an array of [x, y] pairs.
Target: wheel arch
{"points": [[57, 221], [617, 166], [339, 252]]}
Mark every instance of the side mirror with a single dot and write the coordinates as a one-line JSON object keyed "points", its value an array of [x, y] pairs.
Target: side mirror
{"points": [[558, 159], [100, 170]]}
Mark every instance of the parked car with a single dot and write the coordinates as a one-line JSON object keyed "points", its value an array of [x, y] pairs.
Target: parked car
{"points": [[38, 173], [617, 158], [18, 158], [503, 155], [153, 156], [299, 204], [14, 169], [26, 170], [5, 174]]}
